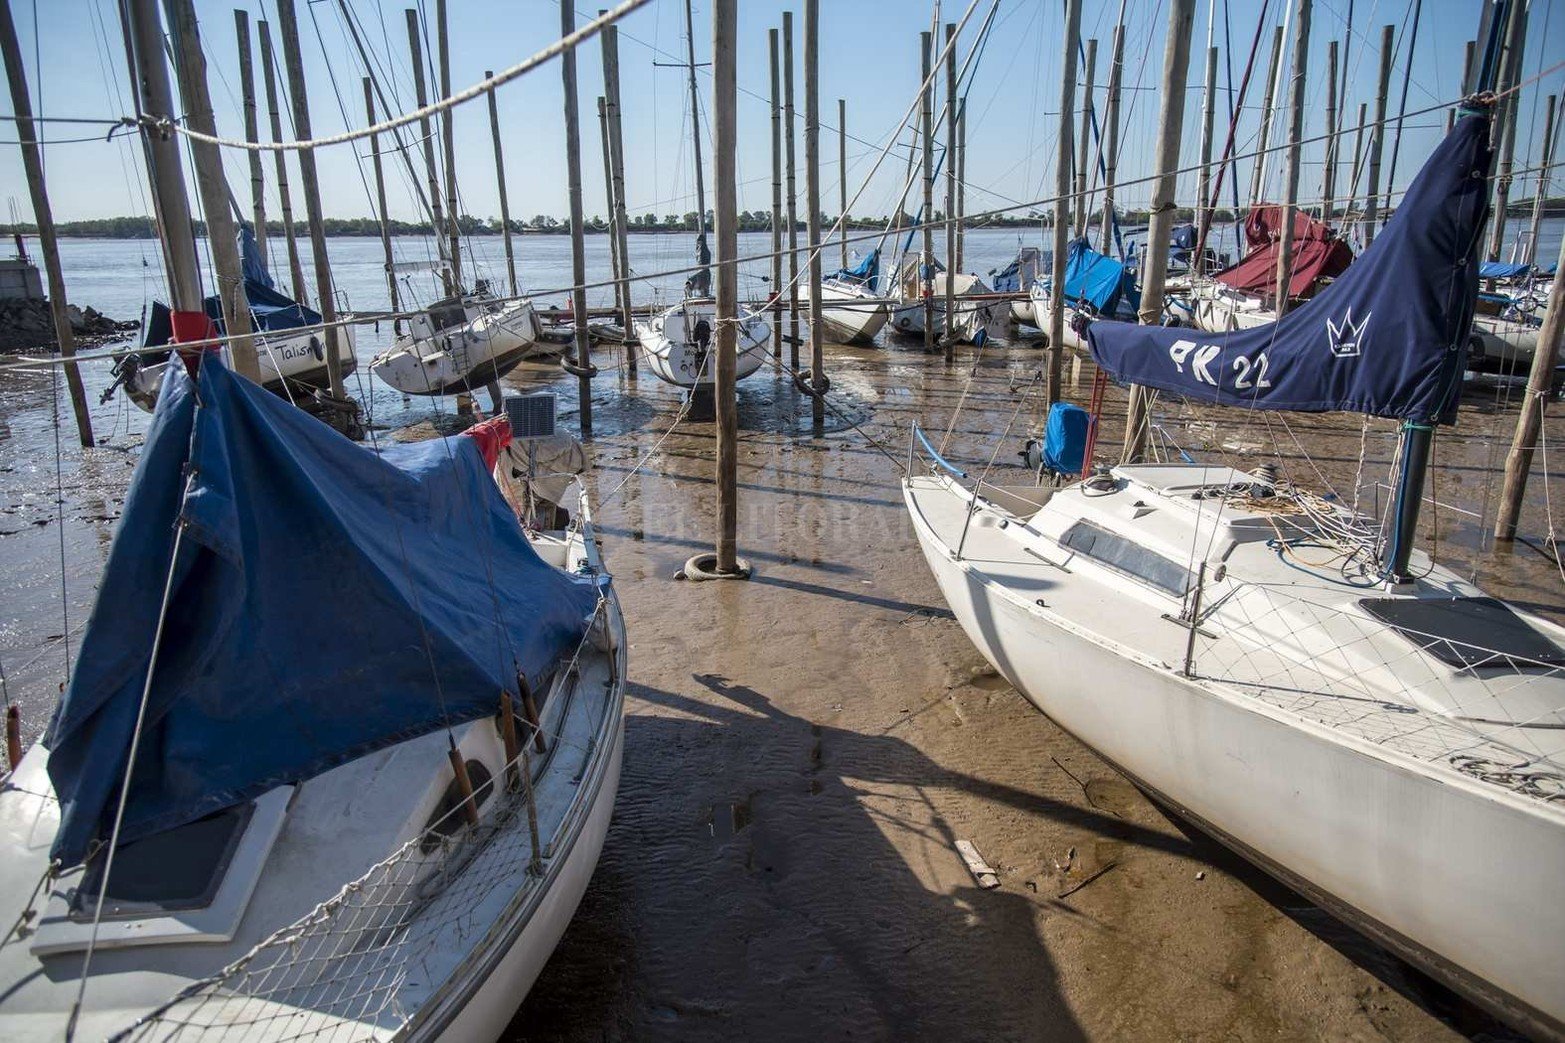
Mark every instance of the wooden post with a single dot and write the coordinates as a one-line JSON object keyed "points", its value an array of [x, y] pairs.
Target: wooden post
{"points": [[1545, 160], [812, 195], [1176, 61], [724, 149], [1290, 189], [421, 96], [505, 203], [926, 258], [777, 207], [380, 202], [608, 186], [578, 246], [1062, 205], [1505, 127], [1203, 216], [961, 178], [43, 216], [190, 67], [252, 127], [1358, 162], [1111, 138], [950, 107], [793, 211], [1519, 461], [284, 196], [1084, 145], [1329, 171], [1258, 172], [842, 177], [326, 302], [611, 96], [1377, 132], [165, 167], [464, 784], [448, 141], [1467, 81]]}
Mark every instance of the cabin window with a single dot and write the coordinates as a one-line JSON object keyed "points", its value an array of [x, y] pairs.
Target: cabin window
{"points": [[179, 868], [1127, 557]]}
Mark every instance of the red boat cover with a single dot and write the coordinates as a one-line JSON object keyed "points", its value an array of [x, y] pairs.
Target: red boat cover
{"points": [[492, 436], [1317, 254]]}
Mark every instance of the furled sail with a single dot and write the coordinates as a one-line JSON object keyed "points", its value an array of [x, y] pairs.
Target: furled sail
{"points": [[1388, 338], [326, 601]]}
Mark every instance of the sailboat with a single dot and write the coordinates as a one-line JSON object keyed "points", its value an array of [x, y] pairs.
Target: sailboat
{"points": [[681, 342], [339, 753], [289, 346], [970, 317], [851, 306], [459, 344], [1018, 277], [1096, 286], [1242, 297], [1366, 725]]}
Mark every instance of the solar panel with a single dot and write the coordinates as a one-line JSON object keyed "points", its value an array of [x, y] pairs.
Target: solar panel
{"points": [[532, 416]]}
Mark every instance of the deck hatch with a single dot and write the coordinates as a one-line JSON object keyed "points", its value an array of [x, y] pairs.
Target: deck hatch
{"points": [[1467, 632], [1128, 557]]}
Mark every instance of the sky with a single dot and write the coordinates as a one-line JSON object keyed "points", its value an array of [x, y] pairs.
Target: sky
{"points": [[869, 56]]}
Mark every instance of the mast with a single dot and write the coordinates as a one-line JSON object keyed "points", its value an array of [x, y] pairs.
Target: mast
{"points": [[447, 135], [926, 258], [1545, 160], [1301, 46], [1329, 173], [1407, 76], [1062, 204], [1377, 134], [1203, 215], [380, 204], [842, 176], [421, 95], [499, 176], [950, 158], [284, 196], [702, 280], [1505, 125], [1111, 134], [252, 127], [617, 157], [1084, 145], [1258, 172]]}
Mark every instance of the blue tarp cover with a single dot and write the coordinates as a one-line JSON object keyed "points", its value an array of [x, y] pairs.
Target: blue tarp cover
{"points": [[1501, 270], [1387, 338], [866, 272], [1065, 438], [252, 265], [1101, 281], [326, 601]]}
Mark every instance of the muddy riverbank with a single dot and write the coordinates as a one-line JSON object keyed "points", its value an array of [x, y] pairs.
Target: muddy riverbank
{"points": [[804, 750]]}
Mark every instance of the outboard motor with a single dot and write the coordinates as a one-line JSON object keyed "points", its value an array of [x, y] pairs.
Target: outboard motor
{"points": [[1064, 444]]}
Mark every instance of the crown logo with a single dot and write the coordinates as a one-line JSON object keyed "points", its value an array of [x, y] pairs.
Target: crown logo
{"points": [[1344, 339]]}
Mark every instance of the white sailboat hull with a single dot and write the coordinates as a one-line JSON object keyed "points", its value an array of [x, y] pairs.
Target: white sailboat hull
{"points": [[1502, 344], [852, 314], [1456, 880], [1218, 309], [682, 359], [971, 316], [288, 362], [461, 357]]}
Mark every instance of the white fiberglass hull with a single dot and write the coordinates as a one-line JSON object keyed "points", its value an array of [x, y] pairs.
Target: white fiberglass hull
{"points": [[1502, 344], [971, 316], [852, 314], [288, 362], [1437, 868], [463, 357], [1038, 315], [682, 353], [1217, 309]]}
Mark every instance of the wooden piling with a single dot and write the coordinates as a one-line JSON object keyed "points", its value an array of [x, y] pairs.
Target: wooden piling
{"points": [[1084, 140], [793, 207], [326, 304], [1111, 140], [1506, 115], [608, 188], [926, 258], [426, 134], [1301, 48], [1377, 133], [43, 217], [448, 143], [1551, 335], [1062, 205], [1258, 172], [1328, 180], [252, 127], [578, 244], [505, 203], [812, 194], [284, 194], [1176, 61], [961, 177], [1358, 163], [611, 96], [842, 177], [1545, 161], [950, 109], [222, 237], [380, 202], [777, 207], [724, 150]]}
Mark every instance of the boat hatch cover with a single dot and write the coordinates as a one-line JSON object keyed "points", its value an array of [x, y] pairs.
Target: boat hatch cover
{"points": [[1468, 632]]}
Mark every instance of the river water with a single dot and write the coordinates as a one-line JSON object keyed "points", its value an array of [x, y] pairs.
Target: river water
{"points": [[804, 750]]}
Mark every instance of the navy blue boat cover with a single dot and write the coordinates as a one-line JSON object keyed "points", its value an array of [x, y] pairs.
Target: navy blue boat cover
{"points": [[1101, 281], [1387, 338], [270, 311], [327, 601]]}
